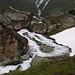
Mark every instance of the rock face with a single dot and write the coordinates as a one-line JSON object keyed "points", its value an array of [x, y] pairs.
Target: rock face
{"points": [[12, 45], [15, 20], [39, 28], [45, 48], [58, 23]]}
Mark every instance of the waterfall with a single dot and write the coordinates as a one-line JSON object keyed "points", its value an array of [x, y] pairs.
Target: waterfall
{"points": [[34, 48], [59, 50], [38, 4]]}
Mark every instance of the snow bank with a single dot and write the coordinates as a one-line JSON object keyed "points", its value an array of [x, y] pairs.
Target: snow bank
{"points": [[66, 37]]}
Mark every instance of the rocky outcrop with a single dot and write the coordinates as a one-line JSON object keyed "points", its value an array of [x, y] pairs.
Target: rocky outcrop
{"points": [[38, 60], [39, 27], [12, 46], [15, 20], [58, 23]]}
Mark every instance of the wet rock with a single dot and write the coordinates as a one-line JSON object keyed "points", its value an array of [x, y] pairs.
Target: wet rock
{"points": [[11, 61], [27, 56], [45, 48], [39, 28], [19, 68], [12, 46]]}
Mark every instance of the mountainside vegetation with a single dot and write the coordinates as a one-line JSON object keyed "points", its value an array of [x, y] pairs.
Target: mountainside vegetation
{"points": [[64, 66]]}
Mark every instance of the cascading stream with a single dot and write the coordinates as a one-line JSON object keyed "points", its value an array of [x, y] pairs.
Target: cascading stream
{"points": [[38, 4], [34, 48]]}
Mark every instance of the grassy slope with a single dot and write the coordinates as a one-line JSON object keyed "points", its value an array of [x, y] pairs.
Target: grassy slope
{"points": [[65, 66]]}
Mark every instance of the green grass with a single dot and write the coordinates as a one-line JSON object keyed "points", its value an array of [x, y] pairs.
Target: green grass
{"points": [[65, 66]]}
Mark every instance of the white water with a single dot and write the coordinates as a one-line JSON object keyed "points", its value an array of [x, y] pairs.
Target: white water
{"points": [[38, 4], [59, 50], [35, 49]]}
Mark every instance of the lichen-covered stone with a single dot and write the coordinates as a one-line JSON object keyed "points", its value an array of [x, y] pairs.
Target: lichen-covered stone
{"points": [[39, 28], [12, 46]]}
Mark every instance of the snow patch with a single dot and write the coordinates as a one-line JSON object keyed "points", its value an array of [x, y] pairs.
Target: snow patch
{"points": [[66, 37]]}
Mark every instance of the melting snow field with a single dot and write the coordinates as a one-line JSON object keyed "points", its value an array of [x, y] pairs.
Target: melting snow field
{"points": [[66, 37]]}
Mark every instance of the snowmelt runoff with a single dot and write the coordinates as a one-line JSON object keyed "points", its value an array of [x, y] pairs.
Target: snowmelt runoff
{"points": [[34, 48]]}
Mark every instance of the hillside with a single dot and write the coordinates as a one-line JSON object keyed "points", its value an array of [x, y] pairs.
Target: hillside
{"points": [[65, 66]]}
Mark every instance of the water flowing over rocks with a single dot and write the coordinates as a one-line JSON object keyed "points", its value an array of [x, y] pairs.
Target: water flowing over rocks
{"points": [[21, 46]]}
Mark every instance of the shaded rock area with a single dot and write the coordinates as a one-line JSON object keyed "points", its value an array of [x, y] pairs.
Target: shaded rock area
{"points": [[12, 46], [46, 48], [58, 23], [19, 68]]}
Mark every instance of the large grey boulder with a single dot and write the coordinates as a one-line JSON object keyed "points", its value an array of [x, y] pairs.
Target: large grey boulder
{"points": [[15, 20], [12, 46], [39, 60], [39, 28]]}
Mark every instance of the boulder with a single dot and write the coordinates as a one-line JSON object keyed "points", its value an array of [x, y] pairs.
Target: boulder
{"points": [[39, 60], [45, 48], [39, 28], [12, 46], [15, 20]]}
